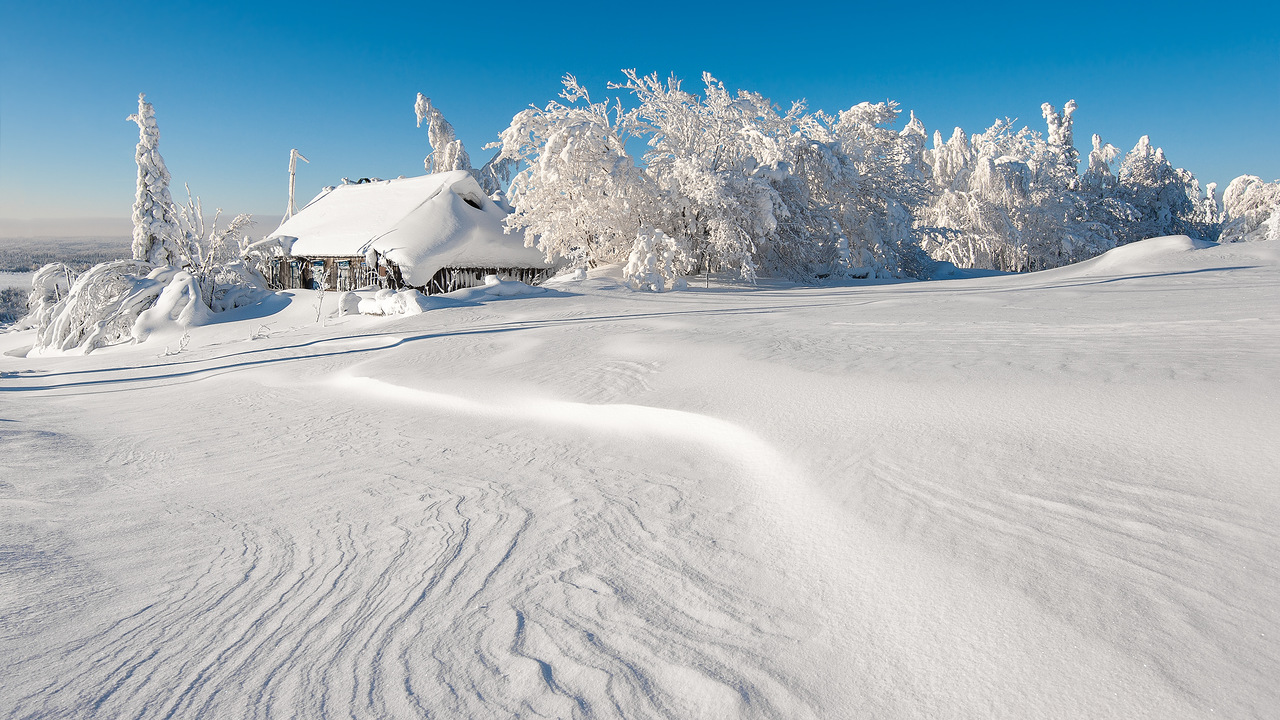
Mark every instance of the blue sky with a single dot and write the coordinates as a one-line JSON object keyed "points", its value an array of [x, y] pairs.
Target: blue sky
{"points": [[236, 86]]}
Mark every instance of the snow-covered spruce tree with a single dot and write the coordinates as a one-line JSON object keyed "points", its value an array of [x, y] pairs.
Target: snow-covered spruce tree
{"points": [[190, 269], [580, 193], [496, 176], [155, 231], [1063, 223], [447, 152], [1252, 210], [1101, 198]]}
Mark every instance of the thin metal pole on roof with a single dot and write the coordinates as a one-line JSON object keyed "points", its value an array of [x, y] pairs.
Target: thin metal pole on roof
{"points": [[294, 156]]}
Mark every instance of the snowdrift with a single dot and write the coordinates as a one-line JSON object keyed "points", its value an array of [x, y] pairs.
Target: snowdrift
{"points": [[1136, 258]]}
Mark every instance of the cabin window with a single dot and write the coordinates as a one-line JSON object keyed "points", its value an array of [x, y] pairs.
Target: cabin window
{"points": [[319, 275]]}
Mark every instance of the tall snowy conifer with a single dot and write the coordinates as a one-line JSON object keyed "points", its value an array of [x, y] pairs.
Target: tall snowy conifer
{"points": [[447, 152], [155, 228]]}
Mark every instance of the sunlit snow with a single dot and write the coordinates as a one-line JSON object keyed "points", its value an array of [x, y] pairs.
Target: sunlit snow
{"points": [[1041, 495]]}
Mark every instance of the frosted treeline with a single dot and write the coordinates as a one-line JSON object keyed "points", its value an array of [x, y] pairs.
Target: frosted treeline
{"points": [[728, 181], [184, 268]]}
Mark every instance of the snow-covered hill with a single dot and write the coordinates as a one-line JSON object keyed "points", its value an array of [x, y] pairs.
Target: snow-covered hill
{"points": [[1045, 495]]}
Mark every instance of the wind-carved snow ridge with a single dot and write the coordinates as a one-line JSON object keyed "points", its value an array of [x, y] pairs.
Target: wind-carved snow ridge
{"points": [[666, 637], [770, 479], [732, 441]]}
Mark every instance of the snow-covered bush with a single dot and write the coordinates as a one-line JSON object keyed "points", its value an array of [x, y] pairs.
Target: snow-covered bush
{"points": [[391, 302], [348, 304], [651, 265], [220, 260], [49, 285], [102, 306], [181, 302], [1252, 209]]}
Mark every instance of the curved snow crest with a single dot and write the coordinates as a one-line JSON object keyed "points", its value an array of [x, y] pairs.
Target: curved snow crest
{"points": [[734, 442], [1137, 257]]}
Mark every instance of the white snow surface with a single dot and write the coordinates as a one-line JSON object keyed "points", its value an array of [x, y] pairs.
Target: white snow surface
{"points": [[21, 280], [1050, 495], [421, 223]]}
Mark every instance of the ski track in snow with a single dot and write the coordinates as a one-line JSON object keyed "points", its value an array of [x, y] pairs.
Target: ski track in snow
{"points": [[1041, 496]]}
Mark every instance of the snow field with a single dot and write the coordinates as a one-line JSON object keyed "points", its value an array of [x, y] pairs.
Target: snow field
{"points": [[1048, 495], [20, 280]]}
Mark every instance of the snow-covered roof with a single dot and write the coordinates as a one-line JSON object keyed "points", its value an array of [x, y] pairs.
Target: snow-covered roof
{"points": [[422, 224]]}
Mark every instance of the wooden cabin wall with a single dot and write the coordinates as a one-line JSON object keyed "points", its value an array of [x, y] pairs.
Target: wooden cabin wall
{"points": [[352, 273], [449, 279]]}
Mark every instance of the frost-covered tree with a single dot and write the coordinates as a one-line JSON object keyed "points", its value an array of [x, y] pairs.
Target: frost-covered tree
{"points": [[714, 158], [743, 186], [1014, 200], [731, 181], [1065, 220], [1252, 210], [1157, 192], [447, 152], [877, 215], [1102, 202], [155, 231], [981, 185], [496, 175], [580, 196]]}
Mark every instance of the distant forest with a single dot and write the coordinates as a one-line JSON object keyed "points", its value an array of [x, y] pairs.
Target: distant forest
{"points": [[80, 253]]}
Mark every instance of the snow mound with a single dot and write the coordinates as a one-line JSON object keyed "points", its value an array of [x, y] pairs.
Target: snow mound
{"points": [[404, 302], [1156, 254], [179, 306], [602, 277], [495, 288]]}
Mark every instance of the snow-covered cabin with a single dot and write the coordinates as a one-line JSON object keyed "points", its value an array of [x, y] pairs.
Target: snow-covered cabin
{"points": [[437, 233]]}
